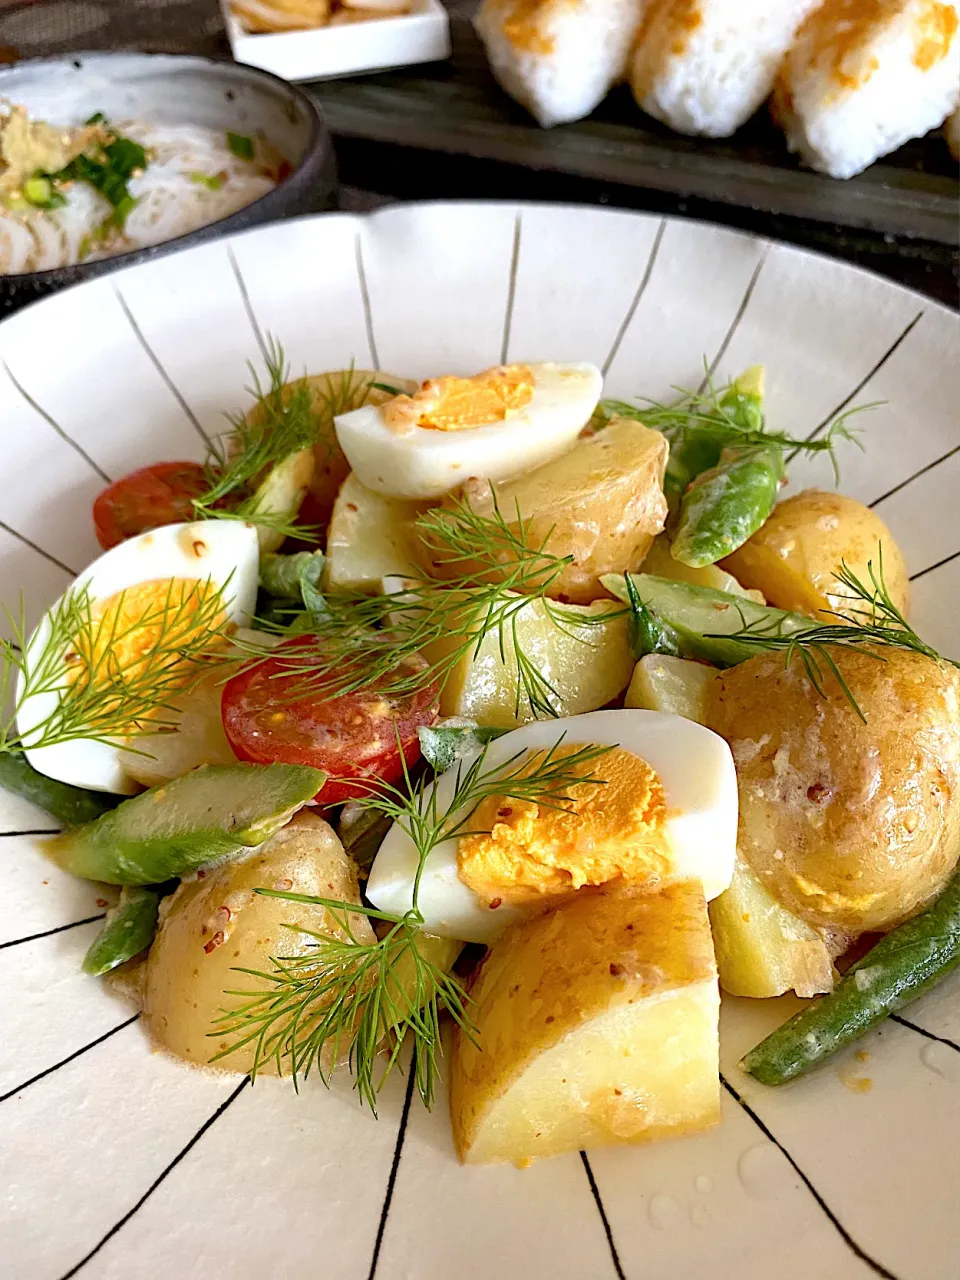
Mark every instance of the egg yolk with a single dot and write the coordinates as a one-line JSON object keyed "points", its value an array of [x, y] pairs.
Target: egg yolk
{"points": [[457, 404], [146, 638], [610, 826]]}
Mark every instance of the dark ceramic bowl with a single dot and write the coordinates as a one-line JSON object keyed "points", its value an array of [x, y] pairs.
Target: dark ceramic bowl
{"points": [[172, 90]]}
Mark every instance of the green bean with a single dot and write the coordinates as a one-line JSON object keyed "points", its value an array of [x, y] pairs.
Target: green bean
{"points": [[726, 505], [903, 965], [71, 806], [128, 929]]}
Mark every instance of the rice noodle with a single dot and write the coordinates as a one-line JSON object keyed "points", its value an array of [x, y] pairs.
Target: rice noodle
{"points": [[169, 201]]}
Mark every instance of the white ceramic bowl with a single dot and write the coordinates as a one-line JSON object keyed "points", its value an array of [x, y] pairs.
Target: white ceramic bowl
{"points": [[117, 1163]]}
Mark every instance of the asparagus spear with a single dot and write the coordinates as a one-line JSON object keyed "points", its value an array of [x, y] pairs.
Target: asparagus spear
{"points": [[69, 805], [127, 930], [173, 829]]}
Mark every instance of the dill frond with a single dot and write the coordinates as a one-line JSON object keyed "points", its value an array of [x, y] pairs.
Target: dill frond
{"points": [[716, 411], [361, 642], [106, 684], [282, 423], [342, 998]]}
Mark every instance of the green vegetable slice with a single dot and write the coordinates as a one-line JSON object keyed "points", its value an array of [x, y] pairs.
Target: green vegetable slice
{"points": [[726, 505], [648, 632], [445, 745], [213, 181], [40, 192], [362, 832], [903, 965], [128, 929], [200, 818], [241, 145], [71, 806], [698, 619]]}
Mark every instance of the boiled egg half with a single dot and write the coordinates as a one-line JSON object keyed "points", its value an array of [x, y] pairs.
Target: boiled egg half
{"points": [[150, 598], [658, 808], [497, 424]]}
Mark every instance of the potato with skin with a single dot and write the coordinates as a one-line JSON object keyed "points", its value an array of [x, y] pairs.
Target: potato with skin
{"points": [[596, 1023], [792, 559], [601, 502], [217, 924], [852, 826]]}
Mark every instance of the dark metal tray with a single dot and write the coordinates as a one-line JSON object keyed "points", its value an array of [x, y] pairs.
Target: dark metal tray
{"points": [[458, 108]]}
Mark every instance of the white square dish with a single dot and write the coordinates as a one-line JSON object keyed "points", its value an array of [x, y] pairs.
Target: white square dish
{"points": [[422, 35]]}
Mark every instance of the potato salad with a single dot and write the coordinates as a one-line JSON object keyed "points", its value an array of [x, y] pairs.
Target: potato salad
{"points": [[490, 726]]}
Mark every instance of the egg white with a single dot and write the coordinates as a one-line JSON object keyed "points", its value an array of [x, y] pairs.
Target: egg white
{"points": [[696, 771], [223, 551], [426, 463]]}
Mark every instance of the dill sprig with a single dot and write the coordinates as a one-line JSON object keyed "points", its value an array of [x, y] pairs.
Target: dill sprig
{"points": [[283, 422], [735, 419], [871, 618], [105, 683], [493, 572], [343, 998]]}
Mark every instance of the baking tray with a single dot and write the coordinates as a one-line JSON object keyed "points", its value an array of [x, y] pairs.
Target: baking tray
{"points": [[457, 107]]}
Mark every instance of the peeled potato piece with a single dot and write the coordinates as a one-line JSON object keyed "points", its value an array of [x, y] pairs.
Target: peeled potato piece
{"points": [[764, 950], [793, 558], [587, 663], [672, 685], [370, 538], [596, 1023], [214, 925]]}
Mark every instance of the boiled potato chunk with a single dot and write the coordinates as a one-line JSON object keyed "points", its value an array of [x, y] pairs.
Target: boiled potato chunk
{"points": [[596, 1023], [601, 503], [213, 926], [792, 559], [660, 562], [588, 664], [672, 685], [763, 950], [198, 739], [851, 824], [369, 538]]}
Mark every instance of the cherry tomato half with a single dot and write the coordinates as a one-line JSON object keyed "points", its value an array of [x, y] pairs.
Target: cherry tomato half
{"points": [[351, 736], [146, 499]]}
